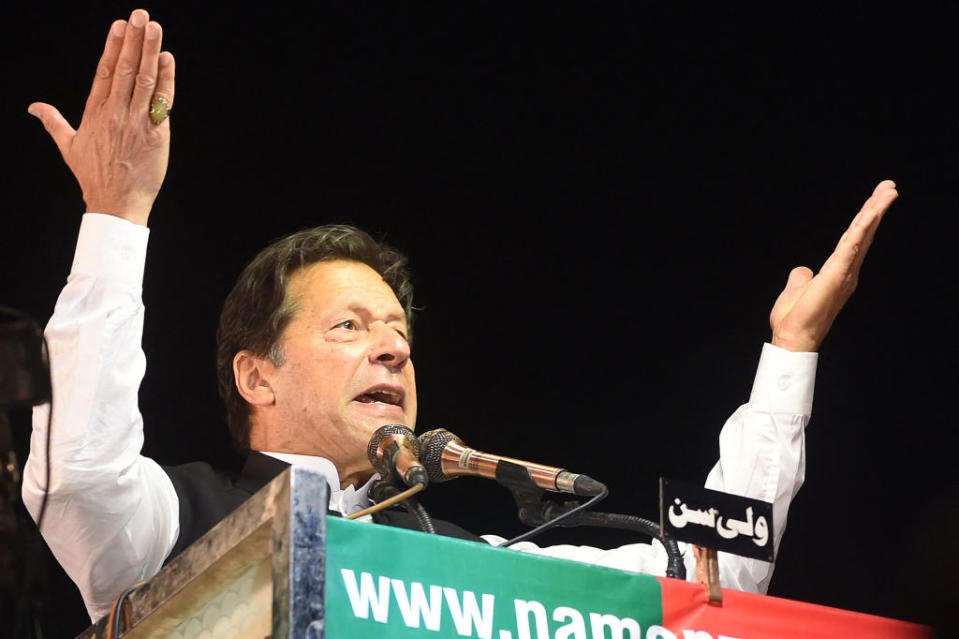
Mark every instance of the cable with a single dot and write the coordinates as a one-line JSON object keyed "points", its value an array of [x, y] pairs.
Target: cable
{"points": [[416, 509], [675, 566], [382, 489], [553, 522], [534, 511], [118, 609], [37, 375], [46, 488], [386, 503]]}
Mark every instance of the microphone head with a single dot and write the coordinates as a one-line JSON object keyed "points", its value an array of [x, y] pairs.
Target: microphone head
{"points": [[376, 450], [430, 445]]}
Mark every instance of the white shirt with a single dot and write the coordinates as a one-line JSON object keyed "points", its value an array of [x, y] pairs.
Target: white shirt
{"points": [[345, 501], [113, 515]]}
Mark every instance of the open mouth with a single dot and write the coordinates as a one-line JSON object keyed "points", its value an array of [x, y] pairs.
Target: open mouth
{"points": [[381, 396]]}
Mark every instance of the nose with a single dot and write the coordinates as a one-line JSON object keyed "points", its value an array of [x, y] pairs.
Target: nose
{"points": [[389, 348]]}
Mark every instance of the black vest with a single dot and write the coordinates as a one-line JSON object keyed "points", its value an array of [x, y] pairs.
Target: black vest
{"points": [[206, 496]]}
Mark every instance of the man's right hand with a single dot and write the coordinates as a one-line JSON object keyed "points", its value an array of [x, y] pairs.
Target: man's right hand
{"points": [[118, 155]]}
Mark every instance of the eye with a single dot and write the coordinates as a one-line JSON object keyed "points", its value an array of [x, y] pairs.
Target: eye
{"points": [[349, 325]]}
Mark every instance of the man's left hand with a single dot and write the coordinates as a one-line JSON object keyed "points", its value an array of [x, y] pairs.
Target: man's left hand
{"points": [[807, 307]]}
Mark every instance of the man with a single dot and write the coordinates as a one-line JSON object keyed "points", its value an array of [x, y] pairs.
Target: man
{"points": [[313, 356]]}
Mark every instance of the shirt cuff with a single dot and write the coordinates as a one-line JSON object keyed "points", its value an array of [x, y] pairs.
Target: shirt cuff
{"points": [[785, 381], [111, 248]]}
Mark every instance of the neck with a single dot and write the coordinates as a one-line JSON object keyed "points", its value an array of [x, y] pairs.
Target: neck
{"points": [[355, 479]]}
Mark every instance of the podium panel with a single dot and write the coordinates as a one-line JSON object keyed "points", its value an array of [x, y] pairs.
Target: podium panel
{"points": [[260, 572], [390, 583], [279, 567]]}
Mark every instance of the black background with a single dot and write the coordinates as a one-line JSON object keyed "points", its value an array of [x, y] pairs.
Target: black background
{"points": [[600, 201]]}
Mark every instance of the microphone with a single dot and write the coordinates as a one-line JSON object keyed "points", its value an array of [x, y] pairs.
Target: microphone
{"points": [[446, 457], [392, 451]]}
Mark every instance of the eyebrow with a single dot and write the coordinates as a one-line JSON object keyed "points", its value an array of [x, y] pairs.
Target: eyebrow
{"points": [[362, 309]]}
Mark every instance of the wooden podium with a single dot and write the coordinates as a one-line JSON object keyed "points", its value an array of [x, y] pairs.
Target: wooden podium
{"points": [[265, 571], [258, 573]]}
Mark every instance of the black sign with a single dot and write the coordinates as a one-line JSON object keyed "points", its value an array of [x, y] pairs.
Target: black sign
{"points": [[713, 519]]}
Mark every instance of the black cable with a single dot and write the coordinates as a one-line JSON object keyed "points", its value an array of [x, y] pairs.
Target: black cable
{"points": [[675, 566], [416, 509], [46, 488], [35, 374], [113, 621], [559, 518], [534, 511]]}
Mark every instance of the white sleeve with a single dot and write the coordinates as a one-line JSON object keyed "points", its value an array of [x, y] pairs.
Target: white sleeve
{"points": [[112, 515], [761, 455], [762, 452]]}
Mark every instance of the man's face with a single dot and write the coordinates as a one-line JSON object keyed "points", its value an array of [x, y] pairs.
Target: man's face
{"points": [[347, 368]]}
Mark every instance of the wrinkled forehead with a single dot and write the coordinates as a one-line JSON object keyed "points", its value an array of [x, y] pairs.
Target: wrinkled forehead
{"points": [[338, 284]]}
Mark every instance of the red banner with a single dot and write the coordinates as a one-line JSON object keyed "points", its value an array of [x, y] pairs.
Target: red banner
{"points": [[749, 616]]}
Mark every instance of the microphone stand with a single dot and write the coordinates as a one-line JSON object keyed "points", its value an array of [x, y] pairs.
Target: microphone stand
{"points": [[383, 489], [520, 483], [536, 511]]}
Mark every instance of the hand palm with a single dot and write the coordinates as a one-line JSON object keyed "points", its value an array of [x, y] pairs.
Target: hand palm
{"points": [[808, 305]]}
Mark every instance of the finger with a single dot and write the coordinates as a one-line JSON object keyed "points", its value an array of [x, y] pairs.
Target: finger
{"points": [[128, 63], [100, 90], [146, 79], [165, 78], [845, 260], [874, 208], [884, 185], [882, 197], [880, 201], [798, 278], [851, 250], [55, 124]]}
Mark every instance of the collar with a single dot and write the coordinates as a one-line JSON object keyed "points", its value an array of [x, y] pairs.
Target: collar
{"points": [[344, 501]]}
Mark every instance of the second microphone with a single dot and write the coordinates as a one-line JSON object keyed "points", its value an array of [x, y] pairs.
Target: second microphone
{"points": [[446, 457]]}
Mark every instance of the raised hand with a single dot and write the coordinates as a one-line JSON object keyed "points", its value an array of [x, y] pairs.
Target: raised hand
{"points": [[118, 154], [805, 310]]}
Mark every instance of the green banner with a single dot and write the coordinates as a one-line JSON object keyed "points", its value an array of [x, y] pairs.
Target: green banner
{"points": [[389, 582]]}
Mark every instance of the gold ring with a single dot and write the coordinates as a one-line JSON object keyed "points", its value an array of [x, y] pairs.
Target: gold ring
{"points": [[159, 109]]}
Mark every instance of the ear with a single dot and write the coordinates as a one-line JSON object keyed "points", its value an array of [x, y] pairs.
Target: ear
{"points": [[252, 375]]}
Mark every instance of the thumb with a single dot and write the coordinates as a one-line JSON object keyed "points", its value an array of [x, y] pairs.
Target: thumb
{"points": [[798, 277], [55, 124]]}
